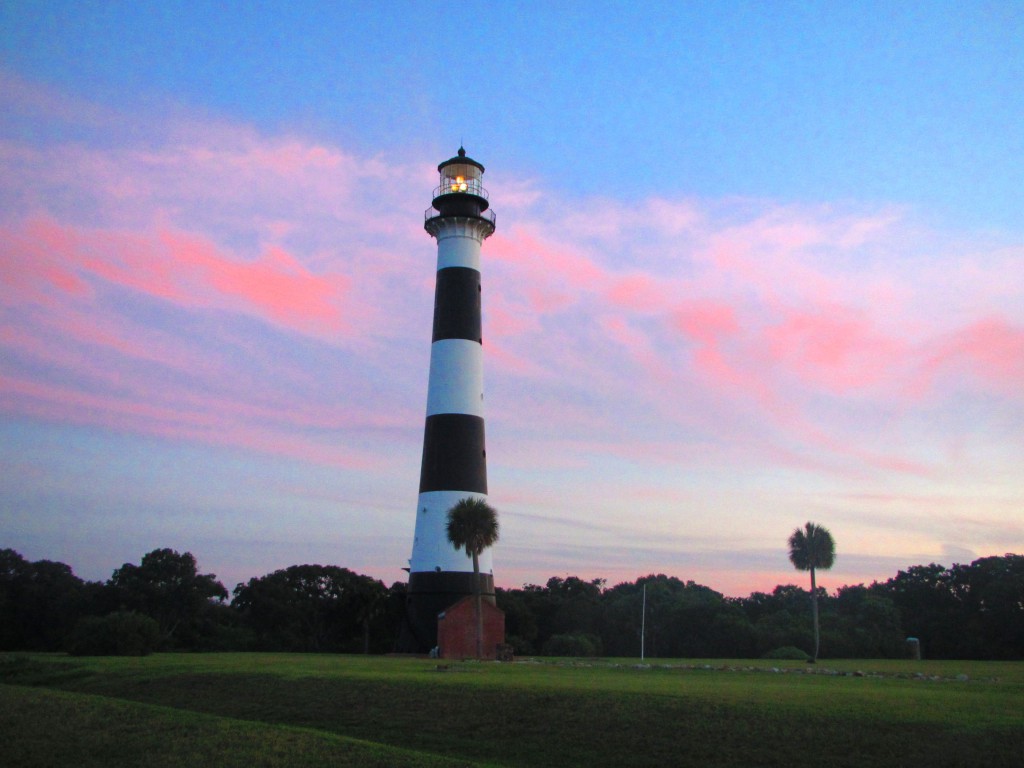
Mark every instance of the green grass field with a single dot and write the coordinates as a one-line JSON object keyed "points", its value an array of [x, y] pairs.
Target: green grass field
{"points": [[305, 710]]}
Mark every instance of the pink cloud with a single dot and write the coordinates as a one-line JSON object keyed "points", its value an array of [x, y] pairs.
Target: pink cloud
{"points": [[741, 324], [637, 292], [711, 326], [555, 274], [275, 286], [183, 269], [775, 335], [989, 351], [32, 269], [604, 220], [211, 285], [836, 348], [639, 346]]}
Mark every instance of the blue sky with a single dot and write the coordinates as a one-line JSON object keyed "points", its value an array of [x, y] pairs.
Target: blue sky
{"points": [[755, 264], [878, 102]]}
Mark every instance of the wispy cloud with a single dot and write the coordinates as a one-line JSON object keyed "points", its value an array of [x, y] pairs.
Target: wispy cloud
{"points": [[204, 283]]}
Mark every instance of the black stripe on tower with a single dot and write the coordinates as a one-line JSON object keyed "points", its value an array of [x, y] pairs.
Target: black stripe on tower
{"points": [[457, 304], [454, 458]]}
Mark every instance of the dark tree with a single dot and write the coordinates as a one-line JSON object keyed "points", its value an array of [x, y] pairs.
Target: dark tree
{"points": [[779, 618], [40, 602], [572, 606], [678, 615], [167, 587], [571, 610], [122, 633], [812, 548], [520, 620], [12, 572], [964, 612], [866, 625], [930, 608], [993, 590], [314, 608]]}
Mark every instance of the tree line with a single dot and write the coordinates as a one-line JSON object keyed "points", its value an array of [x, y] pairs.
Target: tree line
{"points": [[164, 603]]}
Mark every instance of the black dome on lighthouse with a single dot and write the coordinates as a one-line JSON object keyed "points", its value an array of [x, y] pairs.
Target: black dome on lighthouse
{"points": [[462, 159]]}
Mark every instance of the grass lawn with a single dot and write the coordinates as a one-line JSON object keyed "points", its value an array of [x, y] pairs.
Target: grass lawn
{"points": [[44, 728], [297, 710]]}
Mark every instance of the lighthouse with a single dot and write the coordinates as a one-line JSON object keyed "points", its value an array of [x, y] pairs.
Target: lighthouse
{"points": [[454, 464]]}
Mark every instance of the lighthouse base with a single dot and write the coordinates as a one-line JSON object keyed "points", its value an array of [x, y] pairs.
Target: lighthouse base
{"points": [[431, 593]]}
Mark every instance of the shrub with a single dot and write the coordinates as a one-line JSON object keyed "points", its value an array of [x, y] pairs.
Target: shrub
{"points": [[124, 633], [787, 653], [572, 645], [521, 646]]}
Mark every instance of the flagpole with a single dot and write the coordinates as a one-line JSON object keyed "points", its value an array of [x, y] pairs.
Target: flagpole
{"points": [[643, 623]]}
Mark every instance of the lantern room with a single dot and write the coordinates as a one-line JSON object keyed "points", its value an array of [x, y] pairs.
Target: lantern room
{"points": [[461, 174], [461, 191]]}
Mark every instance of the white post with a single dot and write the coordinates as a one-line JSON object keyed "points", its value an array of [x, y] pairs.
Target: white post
{"points": [[643, 623]]}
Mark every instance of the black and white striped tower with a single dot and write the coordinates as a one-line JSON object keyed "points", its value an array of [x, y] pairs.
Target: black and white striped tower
{"points": [[454, 462]]}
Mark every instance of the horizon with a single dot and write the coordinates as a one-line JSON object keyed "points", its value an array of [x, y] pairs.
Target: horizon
{"points": [[606, 584], [753, 267]]}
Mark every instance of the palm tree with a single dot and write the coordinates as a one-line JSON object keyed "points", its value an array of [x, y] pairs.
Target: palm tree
{"points": [[473, 526], [809, 549]]}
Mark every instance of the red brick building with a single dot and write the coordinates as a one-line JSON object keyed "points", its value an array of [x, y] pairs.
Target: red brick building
{"points": [[456, 630]]}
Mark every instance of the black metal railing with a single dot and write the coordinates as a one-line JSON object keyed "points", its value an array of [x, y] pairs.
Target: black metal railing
{"points": [[488, 215]]}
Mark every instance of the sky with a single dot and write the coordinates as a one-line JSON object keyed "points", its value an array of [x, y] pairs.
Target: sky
{"points": [[755, 264]]}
